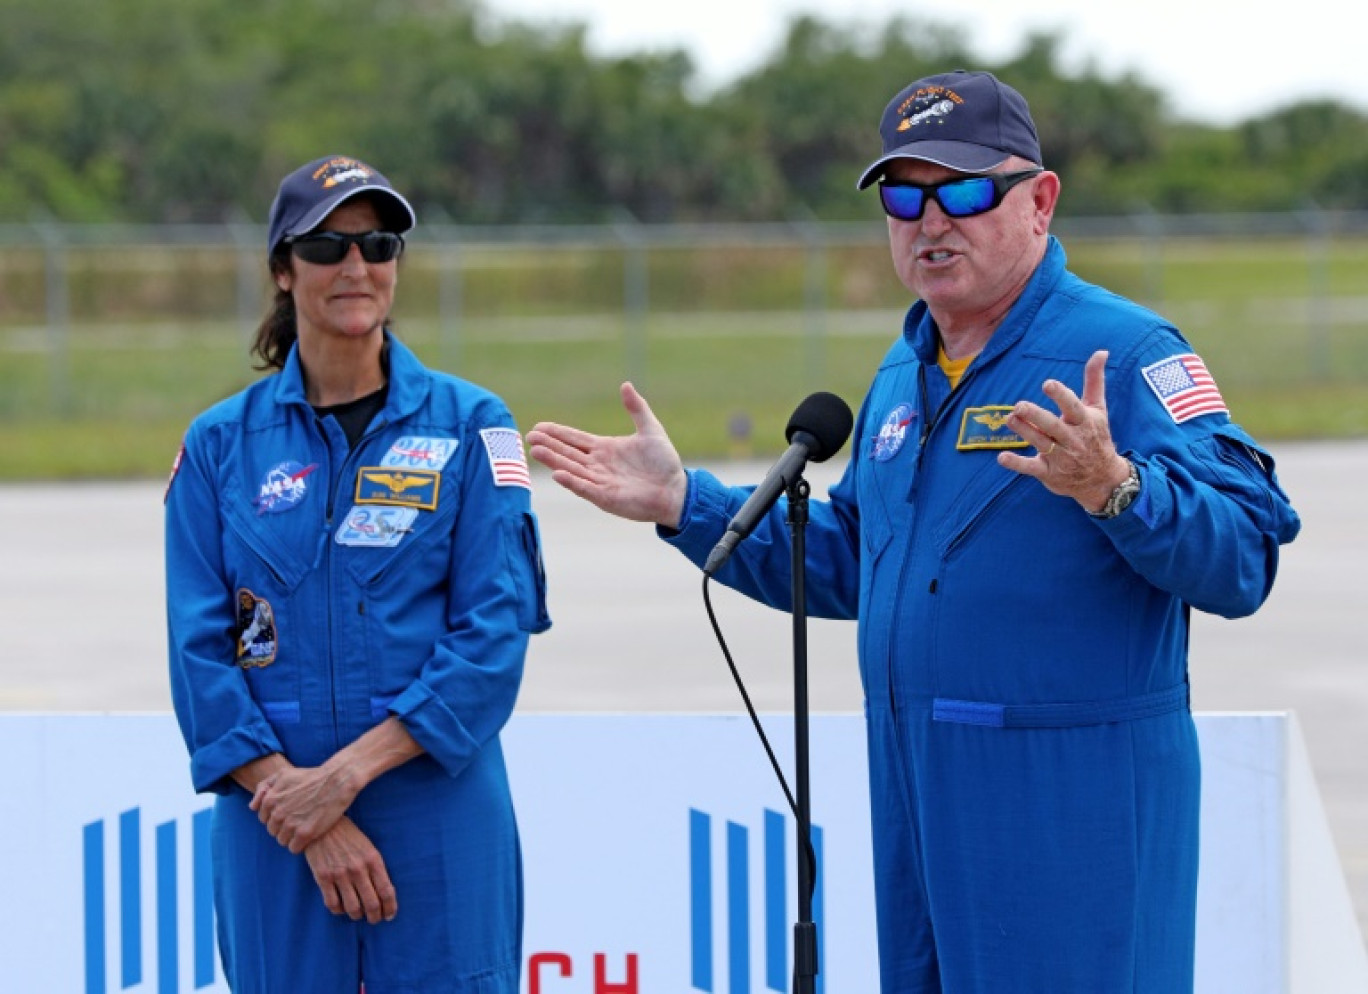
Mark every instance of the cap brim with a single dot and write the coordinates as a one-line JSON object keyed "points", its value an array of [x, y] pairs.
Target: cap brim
{"points": [[959, 156], [396, 213]]}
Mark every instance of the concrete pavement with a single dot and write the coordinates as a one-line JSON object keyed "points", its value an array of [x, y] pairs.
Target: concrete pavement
{"points": [[82, 624]]}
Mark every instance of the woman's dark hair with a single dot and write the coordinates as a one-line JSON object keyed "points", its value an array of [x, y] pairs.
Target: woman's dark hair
{"points": [[277, 331]]}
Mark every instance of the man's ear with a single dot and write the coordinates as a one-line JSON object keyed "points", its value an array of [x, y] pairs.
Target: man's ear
{"points": [[1046, 193]]}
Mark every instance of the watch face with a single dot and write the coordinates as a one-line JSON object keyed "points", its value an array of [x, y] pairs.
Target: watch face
{"points": [[1123, 495]]}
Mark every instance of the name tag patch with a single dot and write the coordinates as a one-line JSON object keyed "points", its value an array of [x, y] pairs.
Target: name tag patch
{"points": [[418, 452], [377, 527], [398, 487], [986, 428]]}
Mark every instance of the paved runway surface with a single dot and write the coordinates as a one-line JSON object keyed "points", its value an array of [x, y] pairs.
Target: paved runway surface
{"points": [[82, 625]]}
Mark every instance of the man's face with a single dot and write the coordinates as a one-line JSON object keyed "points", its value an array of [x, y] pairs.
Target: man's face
{"points": [[972, 268]]}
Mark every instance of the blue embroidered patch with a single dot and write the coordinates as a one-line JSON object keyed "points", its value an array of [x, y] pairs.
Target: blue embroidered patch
{"points": [[256, 641], [378, 527], [414, 452], [893, 432], [283, 488]]}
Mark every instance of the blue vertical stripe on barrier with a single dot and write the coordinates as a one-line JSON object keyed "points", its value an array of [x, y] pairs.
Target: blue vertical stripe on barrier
{"points": [[93, 853], [168, 963], [776, 904], [130, 897], [203, 898], [700, 899], [817, 911], [738, 908]]}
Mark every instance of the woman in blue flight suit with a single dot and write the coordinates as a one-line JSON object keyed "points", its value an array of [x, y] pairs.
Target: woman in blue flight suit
{"points": [[353, 571]]}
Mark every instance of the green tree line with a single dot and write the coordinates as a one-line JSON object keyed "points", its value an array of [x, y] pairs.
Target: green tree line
{"points": [[191, 110]]}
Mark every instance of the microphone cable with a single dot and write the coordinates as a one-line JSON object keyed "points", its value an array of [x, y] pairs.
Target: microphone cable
{"points": [[809, 854]]}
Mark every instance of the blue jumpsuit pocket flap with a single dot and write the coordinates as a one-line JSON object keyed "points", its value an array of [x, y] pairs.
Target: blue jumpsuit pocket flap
{"points": [[285, 712], [1066, 715], [967, 712]]}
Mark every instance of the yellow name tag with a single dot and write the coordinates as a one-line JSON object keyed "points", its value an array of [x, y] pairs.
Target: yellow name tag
{"points": [[986, 428], [398, 487]]}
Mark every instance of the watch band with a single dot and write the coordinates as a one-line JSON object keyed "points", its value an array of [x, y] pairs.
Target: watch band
{"points": [[1121, 498]]}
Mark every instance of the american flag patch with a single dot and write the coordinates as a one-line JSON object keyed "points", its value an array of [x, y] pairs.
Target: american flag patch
{"points": [[1184, 387], [506, 459]]}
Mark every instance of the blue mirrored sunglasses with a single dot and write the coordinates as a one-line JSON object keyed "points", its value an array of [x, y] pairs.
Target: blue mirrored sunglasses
{"points": [[956, 197]]}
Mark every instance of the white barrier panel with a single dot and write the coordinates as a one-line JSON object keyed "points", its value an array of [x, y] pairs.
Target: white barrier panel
{"points": [[659, 858]]}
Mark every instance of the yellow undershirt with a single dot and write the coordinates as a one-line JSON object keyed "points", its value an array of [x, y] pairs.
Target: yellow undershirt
{"points": [[952, 368]]}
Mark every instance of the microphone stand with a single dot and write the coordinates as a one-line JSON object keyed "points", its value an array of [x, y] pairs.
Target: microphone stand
{"points": [[805, 967]]}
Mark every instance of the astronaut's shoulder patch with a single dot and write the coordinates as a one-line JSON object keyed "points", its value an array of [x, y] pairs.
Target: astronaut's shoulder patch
{"points": [[1185, 387], [507, 461], [256, 626], [175, 468]]}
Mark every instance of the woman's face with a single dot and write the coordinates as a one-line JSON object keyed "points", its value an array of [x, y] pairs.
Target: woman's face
{"points": [[350, 299]]}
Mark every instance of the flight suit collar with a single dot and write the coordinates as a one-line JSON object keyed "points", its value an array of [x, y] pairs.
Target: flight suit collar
{"points": [[408, 386]]}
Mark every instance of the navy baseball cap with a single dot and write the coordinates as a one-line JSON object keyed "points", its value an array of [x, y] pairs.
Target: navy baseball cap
{"points": [[314, 190], [971, 122]]}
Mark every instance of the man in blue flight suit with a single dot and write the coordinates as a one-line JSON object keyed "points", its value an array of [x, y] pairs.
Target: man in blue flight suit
{"points": [[1044, 480]]}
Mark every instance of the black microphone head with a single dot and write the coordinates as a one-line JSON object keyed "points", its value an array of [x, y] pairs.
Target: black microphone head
{"points": [[826, 418]]}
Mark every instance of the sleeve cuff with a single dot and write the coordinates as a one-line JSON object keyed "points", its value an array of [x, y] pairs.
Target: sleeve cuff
{"points": [[435, 727], [212, 765]]}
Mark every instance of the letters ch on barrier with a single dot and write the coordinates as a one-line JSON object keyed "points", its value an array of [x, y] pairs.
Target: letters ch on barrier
{"points": [[565, 967]]}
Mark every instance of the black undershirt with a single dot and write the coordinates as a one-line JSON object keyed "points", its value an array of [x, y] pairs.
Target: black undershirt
{"points": [[355, 416]]}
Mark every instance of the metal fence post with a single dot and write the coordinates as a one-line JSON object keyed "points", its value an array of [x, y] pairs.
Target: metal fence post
{"points": [[57, 298], [814, 300], [1318, 290], [450, 289], [635, 294], [1151, 229], [247, 240]]}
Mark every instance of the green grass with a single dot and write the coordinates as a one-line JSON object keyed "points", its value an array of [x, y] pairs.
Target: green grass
{"points": [[727, 339]]}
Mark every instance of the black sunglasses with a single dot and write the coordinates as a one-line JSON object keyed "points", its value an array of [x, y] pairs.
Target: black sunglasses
{"points": [[957, 197], [328, 248]]}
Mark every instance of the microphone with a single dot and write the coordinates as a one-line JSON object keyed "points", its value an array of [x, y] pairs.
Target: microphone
{"points": [[818, 428]]}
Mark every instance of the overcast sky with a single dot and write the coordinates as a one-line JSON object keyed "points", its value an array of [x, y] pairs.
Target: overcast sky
{"points": [[1216, 61]]}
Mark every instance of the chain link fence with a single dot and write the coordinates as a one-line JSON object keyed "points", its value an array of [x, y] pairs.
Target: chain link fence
{"points": [[149, 324]]}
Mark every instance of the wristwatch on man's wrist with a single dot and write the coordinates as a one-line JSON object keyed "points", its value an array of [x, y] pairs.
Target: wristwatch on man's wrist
{"points": [[1122, 496]]}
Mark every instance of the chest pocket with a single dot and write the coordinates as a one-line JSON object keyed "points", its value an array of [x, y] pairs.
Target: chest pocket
{"points": [[984, 494], [887, 453], [263, 562], [273, 546]]}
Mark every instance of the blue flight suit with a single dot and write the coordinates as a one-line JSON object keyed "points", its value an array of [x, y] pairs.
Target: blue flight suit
{"points": [[1033, 761], [313, 591]]}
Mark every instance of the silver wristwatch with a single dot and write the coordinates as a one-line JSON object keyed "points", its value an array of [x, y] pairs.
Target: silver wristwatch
{"points": [[1122, 496]]}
